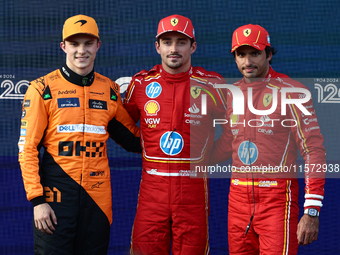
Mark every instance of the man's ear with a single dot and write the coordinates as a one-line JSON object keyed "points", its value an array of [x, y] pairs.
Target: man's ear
{"points": [[98, 45], [62, 46], [193, 47], [270, 55], [157, 47]]}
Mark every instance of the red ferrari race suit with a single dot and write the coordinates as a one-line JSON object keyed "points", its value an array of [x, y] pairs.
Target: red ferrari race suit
{"points": [[175, 135], [72, 116], [264, 153]]}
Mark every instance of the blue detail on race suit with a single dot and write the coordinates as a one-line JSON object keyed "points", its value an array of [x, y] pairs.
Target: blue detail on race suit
{"points": [[248, 152], [23, 132], [153, 90], [171, 143]]}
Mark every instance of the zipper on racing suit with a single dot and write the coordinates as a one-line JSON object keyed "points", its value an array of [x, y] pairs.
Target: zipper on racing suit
{"points": [[252, 180]]}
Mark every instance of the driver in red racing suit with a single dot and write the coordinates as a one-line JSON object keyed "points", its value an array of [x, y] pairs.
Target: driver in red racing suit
{"points": [[264, 190], [175, 135]]}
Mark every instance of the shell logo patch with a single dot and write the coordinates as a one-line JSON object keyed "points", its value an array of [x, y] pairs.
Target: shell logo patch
{"points": [[247, 32], [151, 108], [174, 21]]}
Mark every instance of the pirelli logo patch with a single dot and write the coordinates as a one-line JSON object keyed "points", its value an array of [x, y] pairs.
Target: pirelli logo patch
{"points": [[97, 104]]}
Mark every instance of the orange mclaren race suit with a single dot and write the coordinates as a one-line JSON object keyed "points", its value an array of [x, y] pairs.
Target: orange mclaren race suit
{"points": [[175, 133], [71, 116], [264, 152]]}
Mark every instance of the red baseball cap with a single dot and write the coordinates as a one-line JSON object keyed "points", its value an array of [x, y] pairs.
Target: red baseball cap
{"points": [[176, 23], [252, 35]]}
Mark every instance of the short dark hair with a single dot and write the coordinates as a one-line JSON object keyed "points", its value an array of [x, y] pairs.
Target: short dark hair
{"points": [[268, 49]]}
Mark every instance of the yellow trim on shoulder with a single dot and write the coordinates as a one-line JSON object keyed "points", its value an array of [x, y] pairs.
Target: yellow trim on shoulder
{"points": [[147, 77], [199, 78], [273, 86]]}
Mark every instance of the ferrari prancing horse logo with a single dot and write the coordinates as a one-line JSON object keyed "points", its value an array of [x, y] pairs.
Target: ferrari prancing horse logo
{"points": [[174, 21], [195, 92], [267, 98], [247, 32]]}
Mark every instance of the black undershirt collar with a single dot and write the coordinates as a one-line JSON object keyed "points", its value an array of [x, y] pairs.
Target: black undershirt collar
{"points": [[75, 78]]}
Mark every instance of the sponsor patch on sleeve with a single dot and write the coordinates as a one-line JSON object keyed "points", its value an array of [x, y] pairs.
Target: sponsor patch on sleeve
{"points": [[24, 123], [23, 132], [22, 140], [27, 103], [21, 148], [21, 156]]}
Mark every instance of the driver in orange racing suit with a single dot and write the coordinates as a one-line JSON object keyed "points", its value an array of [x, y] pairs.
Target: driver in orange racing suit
{"points": [[71, 112]]}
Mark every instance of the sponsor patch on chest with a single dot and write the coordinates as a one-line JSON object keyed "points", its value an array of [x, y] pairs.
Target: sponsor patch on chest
{"points": [[97, 104], [68, 102]]}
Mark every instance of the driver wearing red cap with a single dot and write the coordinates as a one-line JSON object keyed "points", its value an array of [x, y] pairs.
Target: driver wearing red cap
{"points": [[173, 207], [263, 200]]}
